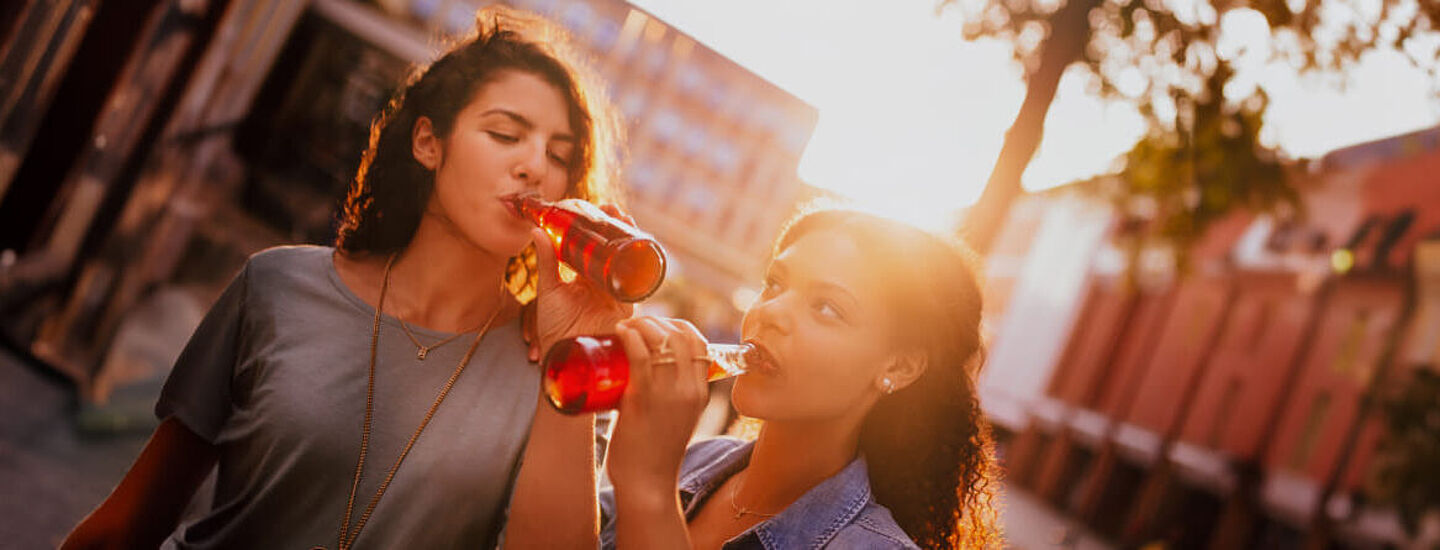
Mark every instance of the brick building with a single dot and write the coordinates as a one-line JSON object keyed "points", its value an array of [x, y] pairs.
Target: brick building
{"points": [[157, 143], [1234, 407]]}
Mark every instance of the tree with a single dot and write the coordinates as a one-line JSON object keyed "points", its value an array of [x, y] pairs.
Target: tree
{"points": [[1405, 473], [1178, 183], [1164, 60]]}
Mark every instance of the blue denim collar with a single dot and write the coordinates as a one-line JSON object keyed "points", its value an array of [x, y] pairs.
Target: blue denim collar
{"points": [[809, 522]]}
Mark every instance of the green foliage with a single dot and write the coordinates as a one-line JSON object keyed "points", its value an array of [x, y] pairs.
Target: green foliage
{"points": [[1145, 50], [1200, 159], [1407, 466], [1177, 184]]}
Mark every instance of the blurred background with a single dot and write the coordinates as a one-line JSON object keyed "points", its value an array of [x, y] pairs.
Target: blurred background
{"points": [[1211, 228]]}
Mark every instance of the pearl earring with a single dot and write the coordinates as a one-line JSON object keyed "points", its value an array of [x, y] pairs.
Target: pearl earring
{"points": [[887, 386]]}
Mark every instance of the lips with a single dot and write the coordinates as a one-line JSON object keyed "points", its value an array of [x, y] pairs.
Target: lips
{"points": [[761, 359]]}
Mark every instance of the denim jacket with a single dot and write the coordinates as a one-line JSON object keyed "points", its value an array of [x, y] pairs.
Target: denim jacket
{"points": [[840, 512]]}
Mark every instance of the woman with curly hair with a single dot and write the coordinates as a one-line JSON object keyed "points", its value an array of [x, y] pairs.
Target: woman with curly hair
{"points": [[871, 434], [378, 393]]}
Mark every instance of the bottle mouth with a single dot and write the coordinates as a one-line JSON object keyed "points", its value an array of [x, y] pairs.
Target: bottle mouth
{"points": [[516, 202], [636, 270]]}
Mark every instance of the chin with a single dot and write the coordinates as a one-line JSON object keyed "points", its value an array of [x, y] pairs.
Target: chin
{"points": [[502, 239], [753, 401]]}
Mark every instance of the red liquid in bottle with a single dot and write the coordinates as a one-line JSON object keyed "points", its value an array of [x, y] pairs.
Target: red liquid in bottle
{"points": [[620, 258], [589, 373]]}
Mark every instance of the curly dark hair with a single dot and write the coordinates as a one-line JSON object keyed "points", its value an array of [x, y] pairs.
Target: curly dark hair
{"points": [[386, 200], [928, 446]]}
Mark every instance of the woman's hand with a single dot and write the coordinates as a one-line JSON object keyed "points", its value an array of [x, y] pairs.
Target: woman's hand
{"points": [[662, 403], [563, 310], [658, 413]]}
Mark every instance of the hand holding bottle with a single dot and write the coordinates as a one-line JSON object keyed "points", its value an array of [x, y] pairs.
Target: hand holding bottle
{"points": [[563, 310], [662, 402]]}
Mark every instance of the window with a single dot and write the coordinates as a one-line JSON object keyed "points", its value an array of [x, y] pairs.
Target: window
{"points": [[654, 61], [723, 156], [691, 80], [632, 103], [667, 126], [577, 17], [699, 199], [1351, 343], [694, 141], [606, 34]]}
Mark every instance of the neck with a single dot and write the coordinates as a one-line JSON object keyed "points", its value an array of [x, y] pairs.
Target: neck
{"points": [[790, 458], [442, 281]]}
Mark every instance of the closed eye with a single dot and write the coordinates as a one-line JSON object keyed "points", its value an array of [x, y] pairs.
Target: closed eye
{"points": [[503, 137], [826, 308], [560, 161]]}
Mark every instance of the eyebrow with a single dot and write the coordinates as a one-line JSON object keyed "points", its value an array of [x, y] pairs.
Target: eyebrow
{"points": [[839, 289], [778, 265], [525, 122]]}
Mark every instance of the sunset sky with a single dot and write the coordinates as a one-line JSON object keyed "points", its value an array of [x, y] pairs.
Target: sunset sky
{"points": [[912, 115]]}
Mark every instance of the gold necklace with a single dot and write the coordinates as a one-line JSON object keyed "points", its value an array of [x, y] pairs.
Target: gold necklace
{"points": [[742, 511], [347, 537], [423, 350]]}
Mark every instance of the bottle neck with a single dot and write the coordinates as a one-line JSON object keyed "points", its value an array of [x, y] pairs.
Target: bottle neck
{"points": [[728, 360]]}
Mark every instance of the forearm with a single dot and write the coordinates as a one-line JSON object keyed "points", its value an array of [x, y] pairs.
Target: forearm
{"points": [[146, 506], [649, 518], [554, 503]]}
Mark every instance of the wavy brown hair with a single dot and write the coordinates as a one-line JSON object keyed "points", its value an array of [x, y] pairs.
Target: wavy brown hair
{"points": [[928, 446], [387, 199]]}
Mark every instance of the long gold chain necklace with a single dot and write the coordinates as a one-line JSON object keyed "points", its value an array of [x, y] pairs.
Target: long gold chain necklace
{"points": [[347, 536]]}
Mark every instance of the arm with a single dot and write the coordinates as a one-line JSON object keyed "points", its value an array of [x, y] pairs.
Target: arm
{"points": [[554, 500], [556, 480], [146, 506]]}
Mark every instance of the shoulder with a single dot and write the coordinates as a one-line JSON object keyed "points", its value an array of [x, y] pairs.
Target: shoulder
{"points": [[288, 260], [873, 528], [276, 269]]}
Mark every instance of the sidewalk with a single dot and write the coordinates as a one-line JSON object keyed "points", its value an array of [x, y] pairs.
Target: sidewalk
{"points": [[1030, 524], [50, 475]]}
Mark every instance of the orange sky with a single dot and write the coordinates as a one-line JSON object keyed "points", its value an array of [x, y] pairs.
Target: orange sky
{"points": [[911, 116]]}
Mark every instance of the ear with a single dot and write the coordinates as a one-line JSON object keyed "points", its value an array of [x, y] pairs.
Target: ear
{"points": [[425, 145], [904, 369]]}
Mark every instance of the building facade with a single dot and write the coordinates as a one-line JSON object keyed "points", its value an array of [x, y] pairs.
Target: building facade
{"points": [[228, 126], [1237, 406]]}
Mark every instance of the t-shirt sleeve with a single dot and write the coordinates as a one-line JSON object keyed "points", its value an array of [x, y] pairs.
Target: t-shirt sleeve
{"points": [[198, 391]]}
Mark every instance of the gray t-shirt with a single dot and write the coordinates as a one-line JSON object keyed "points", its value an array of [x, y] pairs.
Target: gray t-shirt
{"points": [[275, 378]]}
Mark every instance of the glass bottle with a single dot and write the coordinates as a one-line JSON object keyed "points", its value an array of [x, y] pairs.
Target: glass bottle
{"points": [[589, 373], [616, 256]]}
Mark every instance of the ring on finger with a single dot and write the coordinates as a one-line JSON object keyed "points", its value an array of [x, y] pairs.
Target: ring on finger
{"points": [[667, 359]]}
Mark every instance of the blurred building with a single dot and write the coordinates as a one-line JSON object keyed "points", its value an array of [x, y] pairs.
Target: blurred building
{"points": [[1236, 406], [156, 143]]}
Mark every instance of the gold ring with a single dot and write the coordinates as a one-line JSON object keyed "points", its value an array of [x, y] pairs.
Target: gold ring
{"points": [[705, 358], [666, 360]]}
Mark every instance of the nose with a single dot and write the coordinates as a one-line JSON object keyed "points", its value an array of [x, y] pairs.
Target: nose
{"points": [[530, 166], [772, 314]]}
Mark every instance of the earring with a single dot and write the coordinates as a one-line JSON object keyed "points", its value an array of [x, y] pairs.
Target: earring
{"points": [[887, 386]]}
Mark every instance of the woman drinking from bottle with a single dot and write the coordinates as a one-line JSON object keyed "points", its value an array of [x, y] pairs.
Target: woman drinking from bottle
{"points": [[871, 433], [379, 393]]}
